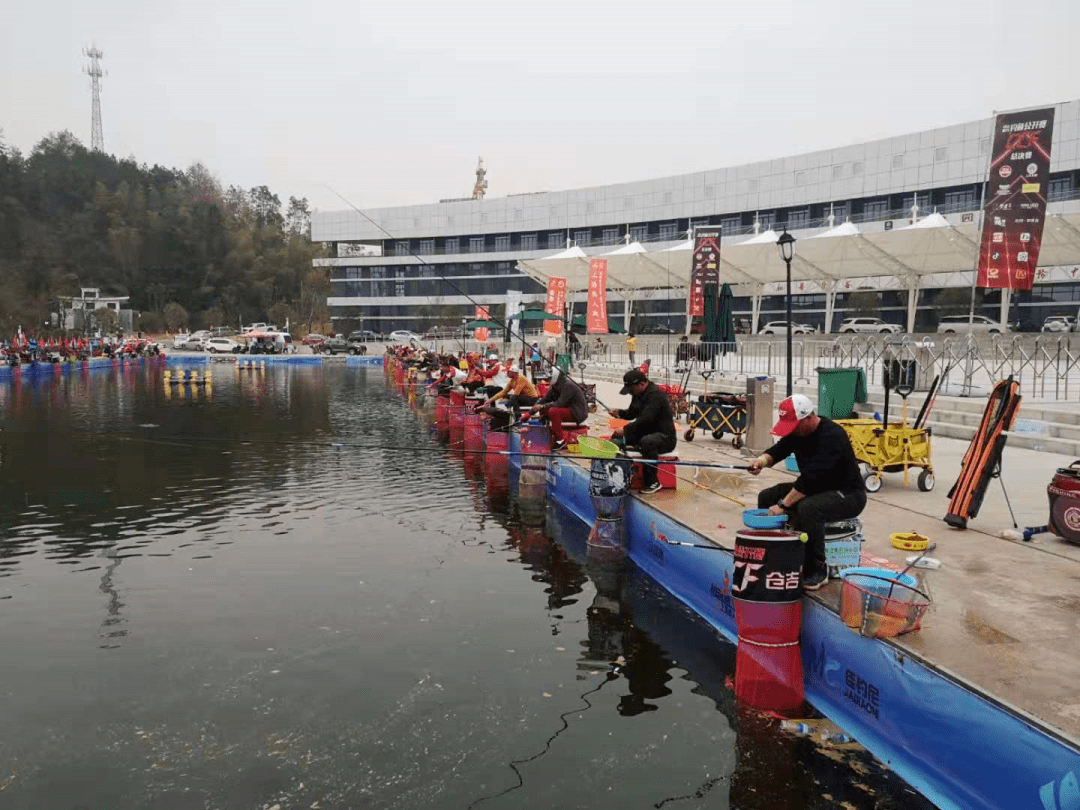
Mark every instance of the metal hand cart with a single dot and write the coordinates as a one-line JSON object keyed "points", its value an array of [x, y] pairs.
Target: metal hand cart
{"points": [[881, 447], [720, 414]]}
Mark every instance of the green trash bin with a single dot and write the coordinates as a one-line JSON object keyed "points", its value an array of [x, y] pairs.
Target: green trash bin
{"points": [[838, 391], [564, 362]]}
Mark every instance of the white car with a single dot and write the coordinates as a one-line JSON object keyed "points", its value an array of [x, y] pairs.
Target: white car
{"points": [[871, 325], [1060, 323], [781, 328], [980, 324], [178, 341], [189, 343], [404, 336], [221, 344]]}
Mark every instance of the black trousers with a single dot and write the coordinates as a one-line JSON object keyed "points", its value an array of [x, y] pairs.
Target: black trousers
{"points": [[812, 513], [651, 446]]}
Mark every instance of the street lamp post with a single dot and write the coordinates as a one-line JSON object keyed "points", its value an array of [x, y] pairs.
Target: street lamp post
{"points": [[786, 245]]}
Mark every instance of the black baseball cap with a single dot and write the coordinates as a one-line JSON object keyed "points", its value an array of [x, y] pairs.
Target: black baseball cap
{"points": [[632, 377]]}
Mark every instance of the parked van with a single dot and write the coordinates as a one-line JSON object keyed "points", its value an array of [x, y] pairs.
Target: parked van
{"points": [[963, 324]]}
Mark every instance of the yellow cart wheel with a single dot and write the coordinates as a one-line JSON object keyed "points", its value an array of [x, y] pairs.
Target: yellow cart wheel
{"points": [[926, 481], [872, 482]]}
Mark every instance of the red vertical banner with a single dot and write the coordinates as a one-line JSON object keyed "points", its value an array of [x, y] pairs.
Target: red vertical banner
{"points": [[705, 268], [1015, 207], [596, 313], [482, 331], [556, 299]]}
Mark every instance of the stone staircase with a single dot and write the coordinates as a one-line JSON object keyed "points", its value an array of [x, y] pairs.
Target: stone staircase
{"points": [[1054, 427]]}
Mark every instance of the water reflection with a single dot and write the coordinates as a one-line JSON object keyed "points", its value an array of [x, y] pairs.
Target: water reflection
{"points": [[255, 612]]}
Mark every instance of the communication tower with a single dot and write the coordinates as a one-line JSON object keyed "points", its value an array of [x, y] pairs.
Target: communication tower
{"points": [[95, 72], [480, 187]]}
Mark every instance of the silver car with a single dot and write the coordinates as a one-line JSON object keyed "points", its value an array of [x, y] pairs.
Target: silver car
{"points": [[963, 324], [781, 327], [869, 325]]}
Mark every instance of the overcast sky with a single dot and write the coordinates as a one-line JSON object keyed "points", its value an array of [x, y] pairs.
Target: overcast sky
{"points": [[392, 103]]}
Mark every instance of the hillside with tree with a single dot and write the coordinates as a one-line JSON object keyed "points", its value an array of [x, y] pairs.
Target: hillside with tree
{"points": [[189, 253]]}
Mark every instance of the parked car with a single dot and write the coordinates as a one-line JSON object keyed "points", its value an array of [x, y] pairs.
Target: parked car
{"points": [[440, 333], [189, 343], [361, 335], [781, 327], [869, 325], [219, 345], [178, 341], [1060, 323], [655, 329], [314, 340], [980, 324], [203, 335], [333, 345], [257, 325], [404, 336]]}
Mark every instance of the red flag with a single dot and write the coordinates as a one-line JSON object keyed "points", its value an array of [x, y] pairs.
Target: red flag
{"points": [[556, 298], [482, 315], [596, 317]]}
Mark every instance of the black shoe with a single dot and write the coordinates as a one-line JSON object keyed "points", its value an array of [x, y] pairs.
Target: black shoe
{"points": [[558, 446], [811, 582], [651, 488]]}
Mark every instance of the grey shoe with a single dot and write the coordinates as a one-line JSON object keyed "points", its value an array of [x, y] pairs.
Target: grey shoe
{"points": [[651, 488], [813, 581]]}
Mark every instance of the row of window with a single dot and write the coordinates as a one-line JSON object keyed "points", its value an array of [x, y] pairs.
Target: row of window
{"points": [[944, 200]]}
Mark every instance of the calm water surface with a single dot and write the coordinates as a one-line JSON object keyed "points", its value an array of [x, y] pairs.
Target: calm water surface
{"points": [[205, 603]]}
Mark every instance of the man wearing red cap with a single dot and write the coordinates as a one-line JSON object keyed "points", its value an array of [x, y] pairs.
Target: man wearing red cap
{"points": [[829, 486]]}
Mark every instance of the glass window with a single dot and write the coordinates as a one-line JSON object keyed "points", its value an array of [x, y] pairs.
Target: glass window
{"points": [[639, 233], [528, 241], [698, 223], [402, 247], [798, 219], [451, 245], [554, 240], [1060, 188], [875, 208], [610, 236], [502, 242], [959, 200], [476, 244], [582, 237], [840, 212], [730, 225], [766, 219], [426, 247], [669, 230]]}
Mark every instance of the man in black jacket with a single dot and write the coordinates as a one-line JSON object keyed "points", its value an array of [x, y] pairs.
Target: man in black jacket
{"points": [[652, 426], [829, 486], [564, 402]]}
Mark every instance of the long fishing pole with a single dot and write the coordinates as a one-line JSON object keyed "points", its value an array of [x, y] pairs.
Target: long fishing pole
{"points": [[182, 441], [502, 323]]}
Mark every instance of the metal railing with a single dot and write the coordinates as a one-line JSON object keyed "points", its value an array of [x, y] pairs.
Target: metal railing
{"points": [[1047, 367]]}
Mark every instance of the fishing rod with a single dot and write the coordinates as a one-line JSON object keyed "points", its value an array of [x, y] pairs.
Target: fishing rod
{"points": [[183, 441], [504, 324]]}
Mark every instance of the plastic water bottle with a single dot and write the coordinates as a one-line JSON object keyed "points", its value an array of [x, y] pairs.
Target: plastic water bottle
{"points": [[796, 727], [836, 738]]}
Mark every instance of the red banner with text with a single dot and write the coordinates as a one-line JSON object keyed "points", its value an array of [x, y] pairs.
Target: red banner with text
{"points": [[1016, 199], [482, 331], [705, 268], [596, 313], [556, 300]]}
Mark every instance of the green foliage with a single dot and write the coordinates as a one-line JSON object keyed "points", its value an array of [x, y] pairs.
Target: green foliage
{"points": [[107, 320], [72, 218], [176, 317]]}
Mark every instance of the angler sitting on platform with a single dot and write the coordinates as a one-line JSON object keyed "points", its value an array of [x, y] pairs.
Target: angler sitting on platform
{"points": [[652, 428], [518, 392], [564, 402], [494, 375], [829, 486]]}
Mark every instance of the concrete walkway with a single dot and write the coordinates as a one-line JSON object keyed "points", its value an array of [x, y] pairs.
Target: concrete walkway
{"points": [[1006, 614]]}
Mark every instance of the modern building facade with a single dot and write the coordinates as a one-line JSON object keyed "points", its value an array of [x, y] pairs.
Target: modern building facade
{"points": [[413, 267]]}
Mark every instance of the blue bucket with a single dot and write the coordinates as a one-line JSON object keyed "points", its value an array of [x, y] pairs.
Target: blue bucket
{"points": [[877, 580], [761, 519]]}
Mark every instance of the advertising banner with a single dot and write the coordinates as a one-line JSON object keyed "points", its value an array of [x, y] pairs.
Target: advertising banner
{"points": [[482, 315], [556, 300], [513, 307], [1016, 199], [596, 314], [705, 268]]}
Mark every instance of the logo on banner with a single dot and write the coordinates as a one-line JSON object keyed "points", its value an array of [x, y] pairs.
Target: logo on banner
{"points": [[1005, 171]]}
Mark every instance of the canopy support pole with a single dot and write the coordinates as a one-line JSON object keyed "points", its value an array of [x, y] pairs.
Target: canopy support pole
{"points": [[912, 302], [1006, 297], [830, 305], [755, 309], [626, 314]]}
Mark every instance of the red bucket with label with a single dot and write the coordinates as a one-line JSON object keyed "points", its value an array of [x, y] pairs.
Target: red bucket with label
{"points": [[1064, 495]]}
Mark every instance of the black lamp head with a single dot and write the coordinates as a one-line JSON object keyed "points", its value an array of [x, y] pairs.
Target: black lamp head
{"points": [[786, 245]]}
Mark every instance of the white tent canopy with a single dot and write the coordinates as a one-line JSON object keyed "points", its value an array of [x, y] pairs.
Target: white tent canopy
{"points": [[931, 246]]}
